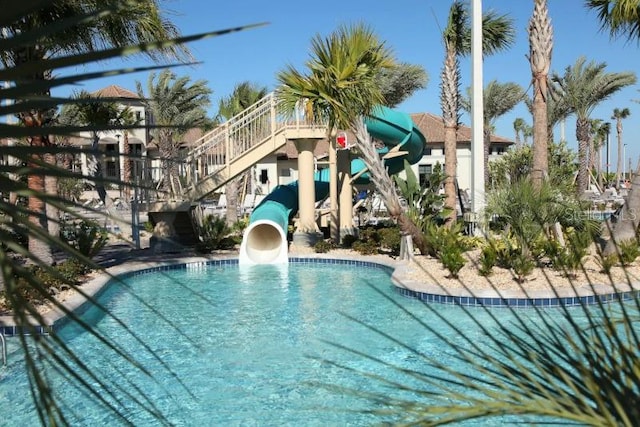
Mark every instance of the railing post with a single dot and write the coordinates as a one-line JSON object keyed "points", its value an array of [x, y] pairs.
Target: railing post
{"points": [[272, 110]]}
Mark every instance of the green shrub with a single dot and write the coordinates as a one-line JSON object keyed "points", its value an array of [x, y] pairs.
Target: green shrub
{"points": [[349, 240], [607, 262], [522, 265], [390, 238], [629, 251], [368, 247], [452, 259], [323, 246], [450, 250], [87, 237], [240, 225], [148, 226], [214, 235], [488, 259]]}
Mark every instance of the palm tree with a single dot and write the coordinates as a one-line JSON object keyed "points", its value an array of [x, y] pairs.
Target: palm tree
{"points": [[91, 111], [139, 22], [540, 48], [244, 95], [498, 99], [176, 105], [343, 84], [583, 86], [497, 34], [518, 127], [620, 17], [618, 116], [597, 138]]}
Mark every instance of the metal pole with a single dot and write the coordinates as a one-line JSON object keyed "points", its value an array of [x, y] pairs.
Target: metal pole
{"points": [[608, 152], [477, 113], [624, 161]]}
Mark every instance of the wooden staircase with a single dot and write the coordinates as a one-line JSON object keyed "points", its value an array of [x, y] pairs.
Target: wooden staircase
{"points": [[240, 143], [226, 152]]}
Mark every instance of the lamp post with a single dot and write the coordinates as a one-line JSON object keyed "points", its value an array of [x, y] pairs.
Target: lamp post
{"points": [[608, 125]]}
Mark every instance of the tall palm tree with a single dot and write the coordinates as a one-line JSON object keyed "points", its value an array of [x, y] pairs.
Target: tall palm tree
{"points": [[518, 127], [540, 49], [243, 96], [343, 84], [176, 105], [619, 115], [497, 34], [620, 17], [583, 86], [139, 22], [498, 99], [597, 138]]}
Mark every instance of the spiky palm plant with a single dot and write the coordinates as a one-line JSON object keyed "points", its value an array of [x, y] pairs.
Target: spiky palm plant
{"points": [[30, 93]]}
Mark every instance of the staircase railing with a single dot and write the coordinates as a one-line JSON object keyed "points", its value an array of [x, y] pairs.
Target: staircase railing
{"points": [[226, 143]]}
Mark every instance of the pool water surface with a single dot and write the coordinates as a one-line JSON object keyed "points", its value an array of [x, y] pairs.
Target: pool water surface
{"points": [[251, 346]]}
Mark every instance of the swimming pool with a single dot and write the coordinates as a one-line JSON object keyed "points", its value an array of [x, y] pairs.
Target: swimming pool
{"points": [[226, 345]]}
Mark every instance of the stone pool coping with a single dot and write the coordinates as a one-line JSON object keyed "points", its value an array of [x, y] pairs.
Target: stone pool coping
{"points": [[400, 277]]}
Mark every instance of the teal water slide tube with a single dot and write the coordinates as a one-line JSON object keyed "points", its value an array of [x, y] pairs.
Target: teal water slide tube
{"points": [[265, 239]]}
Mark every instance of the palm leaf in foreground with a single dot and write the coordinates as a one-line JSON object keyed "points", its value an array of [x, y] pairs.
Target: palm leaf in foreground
{"points": [[43, 354], [570, 364]]}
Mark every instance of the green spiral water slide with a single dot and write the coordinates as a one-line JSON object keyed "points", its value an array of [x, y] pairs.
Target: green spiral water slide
{"points": [[265, 239]]}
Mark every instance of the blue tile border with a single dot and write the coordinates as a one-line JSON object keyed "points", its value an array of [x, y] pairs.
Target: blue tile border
{"points": [[471, 301], [427, 297]]}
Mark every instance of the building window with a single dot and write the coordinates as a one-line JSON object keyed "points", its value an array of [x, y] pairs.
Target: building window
{"points": [[111, 148], [139, 117], [111, 170], [286, 172], [423, 172], [498, 150], [426, 151]]}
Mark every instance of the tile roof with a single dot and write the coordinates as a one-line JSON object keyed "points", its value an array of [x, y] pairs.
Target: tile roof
{"points": [[115, 91], [433, 130]]}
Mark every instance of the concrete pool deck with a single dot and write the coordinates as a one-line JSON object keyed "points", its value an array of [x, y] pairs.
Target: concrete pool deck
{"points": [[121, 260]]}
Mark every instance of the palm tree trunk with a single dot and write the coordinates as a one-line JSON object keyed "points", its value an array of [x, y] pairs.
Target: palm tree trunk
{"points": [[231, 193], [582, 135], [51, 189], [620, 166], [450, 171], [540, 48], [386, 189], [37, 210], [128, 166], [449, 96]]}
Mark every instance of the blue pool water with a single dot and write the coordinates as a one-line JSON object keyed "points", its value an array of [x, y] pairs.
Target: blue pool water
{"points": [[229, 346]]}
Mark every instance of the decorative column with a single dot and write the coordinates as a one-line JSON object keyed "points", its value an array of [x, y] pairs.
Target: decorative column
{"points": [[307, 232], [346, 193]]}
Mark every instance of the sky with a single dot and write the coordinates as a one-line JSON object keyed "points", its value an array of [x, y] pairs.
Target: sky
{"points": [[412, 29]]}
